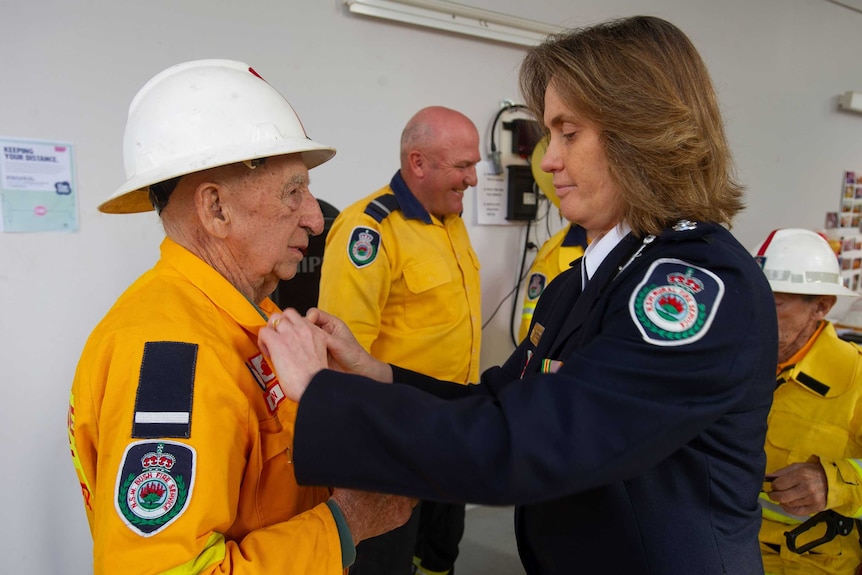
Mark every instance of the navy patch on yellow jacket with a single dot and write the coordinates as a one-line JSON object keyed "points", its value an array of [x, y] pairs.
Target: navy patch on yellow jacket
{"points": [[363, 246], [163, 403], [536, 285]]}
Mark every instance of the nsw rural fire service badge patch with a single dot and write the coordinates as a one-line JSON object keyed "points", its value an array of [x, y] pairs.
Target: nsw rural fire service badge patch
{"points": [[363, 246], [154, 485], [675, 303]]}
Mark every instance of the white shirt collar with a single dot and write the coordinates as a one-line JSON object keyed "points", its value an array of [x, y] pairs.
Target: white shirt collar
{"points": [[601, 246]]}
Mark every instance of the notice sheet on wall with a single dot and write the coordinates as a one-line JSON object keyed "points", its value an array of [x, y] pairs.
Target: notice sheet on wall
{"points": [[37, 186], [490, 195]]}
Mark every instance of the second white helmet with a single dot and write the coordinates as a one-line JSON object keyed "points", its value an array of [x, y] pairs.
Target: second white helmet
{"points": [[801, 261]]}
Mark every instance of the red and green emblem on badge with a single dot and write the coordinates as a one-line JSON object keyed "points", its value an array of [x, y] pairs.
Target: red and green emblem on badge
{"points": [[676, 302], [154, 484], [536, 285], [363, 246]]}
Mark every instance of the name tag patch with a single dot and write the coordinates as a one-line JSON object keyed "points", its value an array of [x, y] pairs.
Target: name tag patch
{"points": [[676, 302], [536, 333]]}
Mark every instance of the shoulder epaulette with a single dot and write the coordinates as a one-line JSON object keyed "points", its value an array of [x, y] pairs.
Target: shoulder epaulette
{"points": [[163, 403], [812, 384], [382, 206]]}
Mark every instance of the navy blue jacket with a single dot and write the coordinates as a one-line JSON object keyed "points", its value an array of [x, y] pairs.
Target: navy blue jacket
{"points": [[628, 427]]}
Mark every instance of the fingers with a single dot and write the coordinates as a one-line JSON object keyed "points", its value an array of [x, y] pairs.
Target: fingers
{"points": [[800, 488], [261, 343], [280, 324], [328, 323], [289, 315], [295, 348], [806, 474], [287, 335], [807, 505], [313, 315]]}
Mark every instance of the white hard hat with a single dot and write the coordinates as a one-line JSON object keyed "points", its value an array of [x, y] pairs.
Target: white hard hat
{"points": [[199, 115], [802, 262]]}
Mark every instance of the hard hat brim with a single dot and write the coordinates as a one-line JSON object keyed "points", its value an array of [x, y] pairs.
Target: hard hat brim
{"points": [[133, 196], [812, 288]]}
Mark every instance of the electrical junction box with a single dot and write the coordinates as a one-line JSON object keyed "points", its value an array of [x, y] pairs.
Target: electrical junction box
{"points": [[851, 101], [525, 135], [522, 199]]}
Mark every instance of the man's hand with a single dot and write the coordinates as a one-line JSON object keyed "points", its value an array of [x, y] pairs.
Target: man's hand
{"points": [[345, 353], [296, 348], [800, 488], [370, 514]]}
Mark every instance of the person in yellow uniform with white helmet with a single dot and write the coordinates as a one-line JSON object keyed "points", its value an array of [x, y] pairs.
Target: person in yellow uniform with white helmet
{"points": [[180, 432], [814, 437], [557, 253]]}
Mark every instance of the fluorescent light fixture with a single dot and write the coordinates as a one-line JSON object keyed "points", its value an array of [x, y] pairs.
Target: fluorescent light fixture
{"points": [[852, 4], [850, 101], [458, 18]]}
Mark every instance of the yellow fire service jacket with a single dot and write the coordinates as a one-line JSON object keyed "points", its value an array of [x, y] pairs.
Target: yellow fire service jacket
{"points": [[817, 413], [181, 436], [554, 257], [405, 283]]}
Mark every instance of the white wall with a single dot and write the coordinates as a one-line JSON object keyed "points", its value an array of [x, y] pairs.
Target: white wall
{"points": [[69, 69]]}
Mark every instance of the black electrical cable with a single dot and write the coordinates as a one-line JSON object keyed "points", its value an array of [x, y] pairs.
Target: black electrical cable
{"points": [[527, 245], [499, 305], [495, 154], [547, 217], [498, 169]]}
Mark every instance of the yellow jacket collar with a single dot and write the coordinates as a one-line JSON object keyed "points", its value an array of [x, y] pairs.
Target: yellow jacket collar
{"points": [[828, 368], [216, 286]]}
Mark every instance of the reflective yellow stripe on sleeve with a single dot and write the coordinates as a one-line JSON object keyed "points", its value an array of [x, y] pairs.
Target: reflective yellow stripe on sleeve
{"points": [[86, 491], [212, 553], [774, 512], [528, 310], [856, 465]]}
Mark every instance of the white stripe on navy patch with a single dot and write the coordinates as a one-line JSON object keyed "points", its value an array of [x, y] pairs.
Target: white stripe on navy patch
{"points": [[165, 385], [161, 417]]}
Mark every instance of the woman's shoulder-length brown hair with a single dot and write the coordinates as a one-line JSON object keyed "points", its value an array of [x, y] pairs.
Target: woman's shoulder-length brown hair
{"points": [[644, 85]]}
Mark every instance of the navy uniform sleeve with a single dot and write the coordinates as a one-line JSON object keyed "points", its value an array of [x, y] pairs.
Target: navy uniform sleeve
{"points": [[615, 407]]}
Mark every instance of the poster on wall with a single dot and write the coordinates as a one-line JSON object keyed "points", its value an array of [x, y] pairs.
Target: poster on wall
{"points": [[491, 196], [850, 215], [844, 230], [38, 192]]}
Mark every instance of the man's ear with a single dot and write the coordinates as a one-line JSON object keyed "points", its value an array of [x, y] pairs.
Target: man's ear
{"points": [[824, 304], [212, 208], [417, 162]]}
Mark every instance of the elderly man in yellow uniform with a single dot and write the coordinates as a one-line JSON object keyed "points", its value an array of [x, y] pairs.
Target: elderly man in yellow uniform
{"points": [[400, 271], [814, 439], [180, 432]]}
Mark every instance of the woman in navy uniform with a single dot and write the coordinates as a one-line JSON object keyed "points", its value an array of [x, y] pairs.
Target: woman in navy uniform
{"points": [[628, 427]]}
